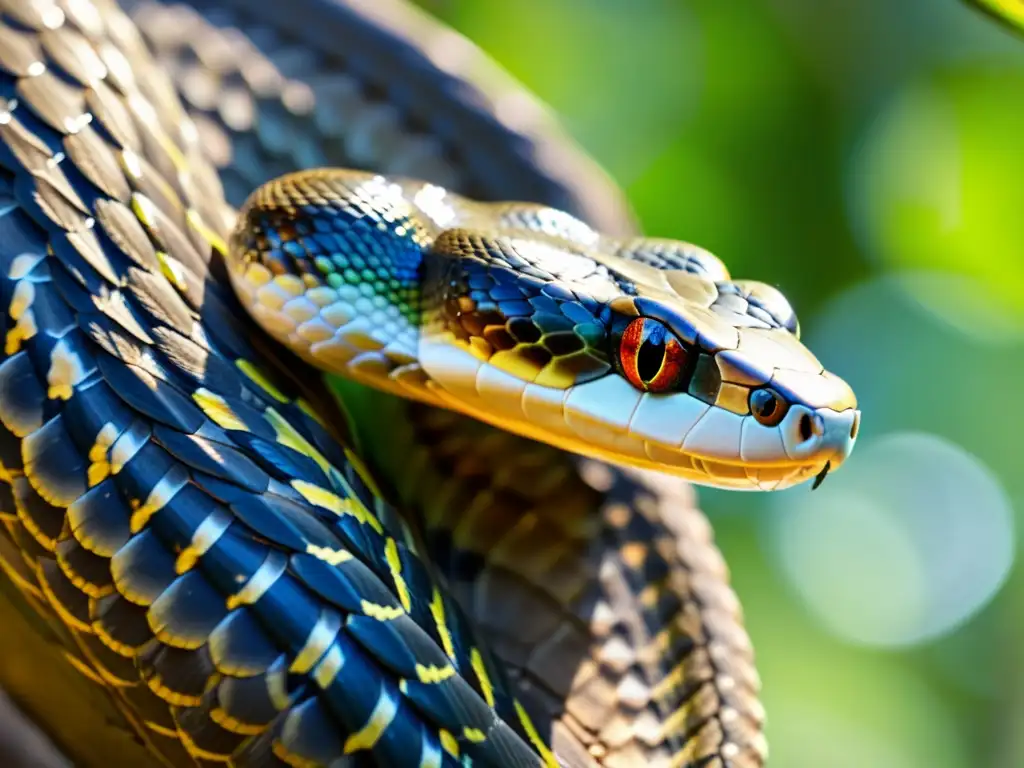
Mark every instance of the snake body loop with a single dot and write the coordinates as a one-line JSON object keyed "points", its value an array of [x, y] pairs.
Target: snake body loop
{"points": [[207, 561]]}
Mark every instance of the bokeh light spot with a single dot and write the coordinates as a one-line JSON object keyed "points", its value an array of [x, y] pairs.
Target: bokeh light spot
{"points": [[901, 546], [934, 183], [813, 737]]}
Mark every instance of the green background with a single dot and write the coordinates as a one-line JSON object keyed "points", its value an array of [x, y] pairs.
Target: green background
{"points": [[867, 158]]}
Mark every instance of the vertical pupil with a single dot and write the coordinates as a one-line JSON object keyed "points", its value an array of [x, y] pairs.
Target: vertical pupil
{"points": [[765, 404], [651, 354]]}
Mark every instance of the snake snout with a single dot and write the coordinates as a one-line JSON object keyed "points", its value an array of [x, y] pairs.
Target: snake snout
{"points": [[820, 436], [841, 431]]}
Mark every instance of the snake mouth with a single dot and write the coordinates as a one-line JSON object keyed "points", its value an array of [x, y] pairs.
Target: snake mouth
{"points": [[753, 477]]}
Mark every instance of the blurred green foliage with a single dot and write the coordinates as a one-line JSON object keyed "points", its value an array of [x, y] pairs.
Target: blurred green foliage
{"points": [[1009, 12], [865, 157]]}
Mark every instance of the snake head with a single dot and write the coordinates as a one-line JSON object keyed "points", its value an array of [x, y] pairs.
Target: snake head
{"points": [[643, 352], [726, 386]]}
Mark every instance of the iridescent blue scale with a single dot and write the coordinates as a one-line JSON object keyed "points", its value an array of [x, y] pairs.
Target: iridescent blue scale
{"points": [[213, 556]]}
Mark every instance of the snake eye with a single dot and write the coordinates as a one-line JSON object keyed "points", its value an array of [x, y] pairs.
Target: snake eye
{"points": [[767, 406], [651, 357]]}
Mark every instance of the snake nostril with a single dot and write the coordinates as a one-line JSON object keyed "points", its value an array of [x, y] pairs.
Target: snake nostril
{"points": [[806, 427]]}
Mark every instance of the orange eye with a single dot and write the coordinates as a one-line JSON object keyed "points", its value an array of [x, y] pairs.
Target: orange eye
{"points": [[651, 357], [767, 406]]}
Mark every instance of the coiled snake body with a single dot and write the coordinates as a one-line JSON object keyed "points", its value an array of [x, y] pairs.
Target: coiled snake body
{"points": [[207, 570]]}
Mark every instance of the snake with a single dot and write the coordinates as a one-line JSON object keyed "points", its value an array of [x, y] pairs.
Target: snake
{"points": [[457, 553]]}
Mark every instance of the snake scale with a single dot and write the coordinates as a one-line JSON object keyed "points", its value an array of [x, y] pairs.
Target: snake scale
{"points": [[208, 560]]}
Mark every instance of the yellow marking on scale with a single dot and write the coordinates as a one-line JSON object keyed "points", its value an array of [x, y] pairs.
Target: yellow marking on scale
{"points": [[173, 270], [163, 730], [319, 639], [218, 410], [322, 497], [121, 649], [649, 595], [381, 612], [329, 667], [277, 689], [195, 221], [332, 502], [127, 445], [142, 206], [437, 611], [476, 660], [99, 454], [685, 756], [132, 164], [198, 752], [84, 669], [395, 564], [206, 534], [108, 677], [431, 675], [233, 724], [260, 582], [260, 380], [367, 736], [66, 616], [162, 494], [679, 720], [95, 591], [26, 586], [449, 742], [329, 555], [47, 542], [289, 436], [171, 696], [474, 734], [66, 371], [291, 759], [22, 298], [20, 311], [672, 681], [144, 111], [144, 108], [538, 743]]}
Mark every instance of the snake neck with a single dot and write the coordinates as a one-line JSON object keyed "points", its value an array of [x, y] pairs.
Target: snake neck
{"points": [[366, 282], [340, 279]]}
